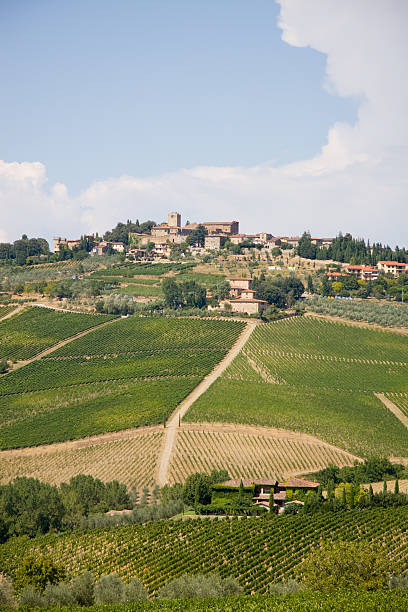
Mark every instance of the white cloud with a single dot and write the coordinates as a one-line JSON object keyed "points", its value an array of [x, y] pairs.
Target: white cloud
{"points": [[358, 182]]}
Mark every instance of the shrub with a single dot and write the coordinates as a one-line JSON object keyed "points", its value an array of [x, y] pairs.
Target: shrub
{"points": [[284, 587], [83, 588], [31, 598], [60, 594], [109, 589], [199, 586], [346, 565], [135, 591], [7, 598], [39, 571], [398, 582]]}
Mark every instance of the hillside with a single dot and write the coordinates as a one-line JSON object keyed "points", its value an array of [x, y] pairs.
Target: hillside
{"points": [[256, 551], [293, 396], [316, 376], [133, 372]]}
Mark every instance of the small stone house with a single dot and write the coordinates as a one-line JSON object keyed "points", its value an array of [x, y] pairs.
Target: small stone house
{"points": [[262, 489]]}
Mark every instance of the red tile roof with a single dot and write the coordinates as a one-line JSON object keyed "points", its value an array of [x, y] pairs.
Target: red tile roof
{"points": [[392, 263], [298, 483], [249, 300]]}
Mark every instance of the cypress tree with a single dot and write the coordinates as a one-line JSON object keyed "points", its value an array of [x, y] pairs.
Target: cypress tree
{"points": [[396, 488]]}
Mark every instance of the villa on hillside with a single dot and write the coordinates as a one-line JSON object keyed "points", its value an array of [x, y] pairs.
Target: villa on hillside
{"points": [[260, 491]]}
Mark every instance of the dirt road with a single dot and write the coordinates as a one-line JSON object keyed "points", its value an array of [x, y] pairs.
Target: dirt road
{"points": [[173, 423]]}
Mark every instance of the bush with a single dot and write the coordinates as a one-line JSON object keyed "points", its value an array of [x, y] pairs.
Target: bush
{"points": [[199, 586], [346, 565], [60, 594], [284, 587], [110, 590], [31, 598], [39, 571], [135, 591], [398, 582], [7, 598], [83, 588]]}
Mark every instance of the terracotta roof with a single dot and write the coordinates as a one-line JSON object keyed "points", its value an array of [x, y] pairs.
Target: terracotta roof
{"points": [[336, 274], [393, 263], [218, 222], [354, 267], [239, 278], [249, 300], [281, 496], [298, 483], [247, 482]]}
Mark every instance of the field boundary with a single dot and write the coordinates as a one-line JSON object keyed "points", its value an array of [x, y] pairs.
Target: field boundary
{"points": [[394, 330], [393, 408], [175, 419]]}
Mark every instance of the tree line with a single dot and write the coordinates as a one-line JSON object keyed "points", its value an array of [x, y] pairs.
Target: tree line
{"points": [[350, 250]]}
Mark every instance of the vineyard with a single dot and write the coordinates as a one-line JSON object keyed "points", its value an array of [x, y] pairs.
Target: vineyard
{"points": [[385, 314], [401, 401], [256, 551], [315, 376], [111, 379], [130, 270], [131, 461], [5, 310], [250, 453], [140, 290], [156, 334], [35, 329]]}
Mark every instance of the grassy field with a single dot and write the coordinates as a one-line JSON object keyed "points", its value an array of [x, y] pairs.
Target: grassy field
{"points": [[256, 551], [131, 461], [317, 377], [134, 375], [250, 454], [35, 329]]}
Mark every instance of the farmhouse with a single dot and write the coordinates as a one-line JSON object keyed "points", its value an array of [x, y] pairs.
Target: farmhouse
{"points": [[363, 272], [260, 491], [392, 267], [248, 305]]}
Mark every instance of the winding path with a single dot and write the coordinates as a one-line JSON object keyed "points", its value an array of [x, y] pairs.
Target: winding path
{"points": [[172, 425]]}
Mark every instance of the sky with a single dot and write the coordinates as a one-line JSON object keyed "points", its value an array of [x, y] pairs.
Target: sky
{"points": [[287, 115]]}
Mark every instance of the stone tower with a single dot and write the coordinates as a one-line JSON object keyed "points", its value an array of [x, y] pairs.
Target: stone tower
{"points": [[174, 219]]}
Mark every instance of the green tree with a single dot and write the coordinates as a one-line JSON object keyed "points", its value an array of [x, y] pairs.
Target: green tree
{"points": [[173, 295], [305, 247], [346, 565], [197, 236], [197, 489], [38, 571]]}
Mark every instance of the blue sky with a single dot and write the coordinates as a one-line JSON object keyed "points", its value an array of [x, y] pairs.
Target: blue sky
{"points": [[97, 89], [286, 115]]}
